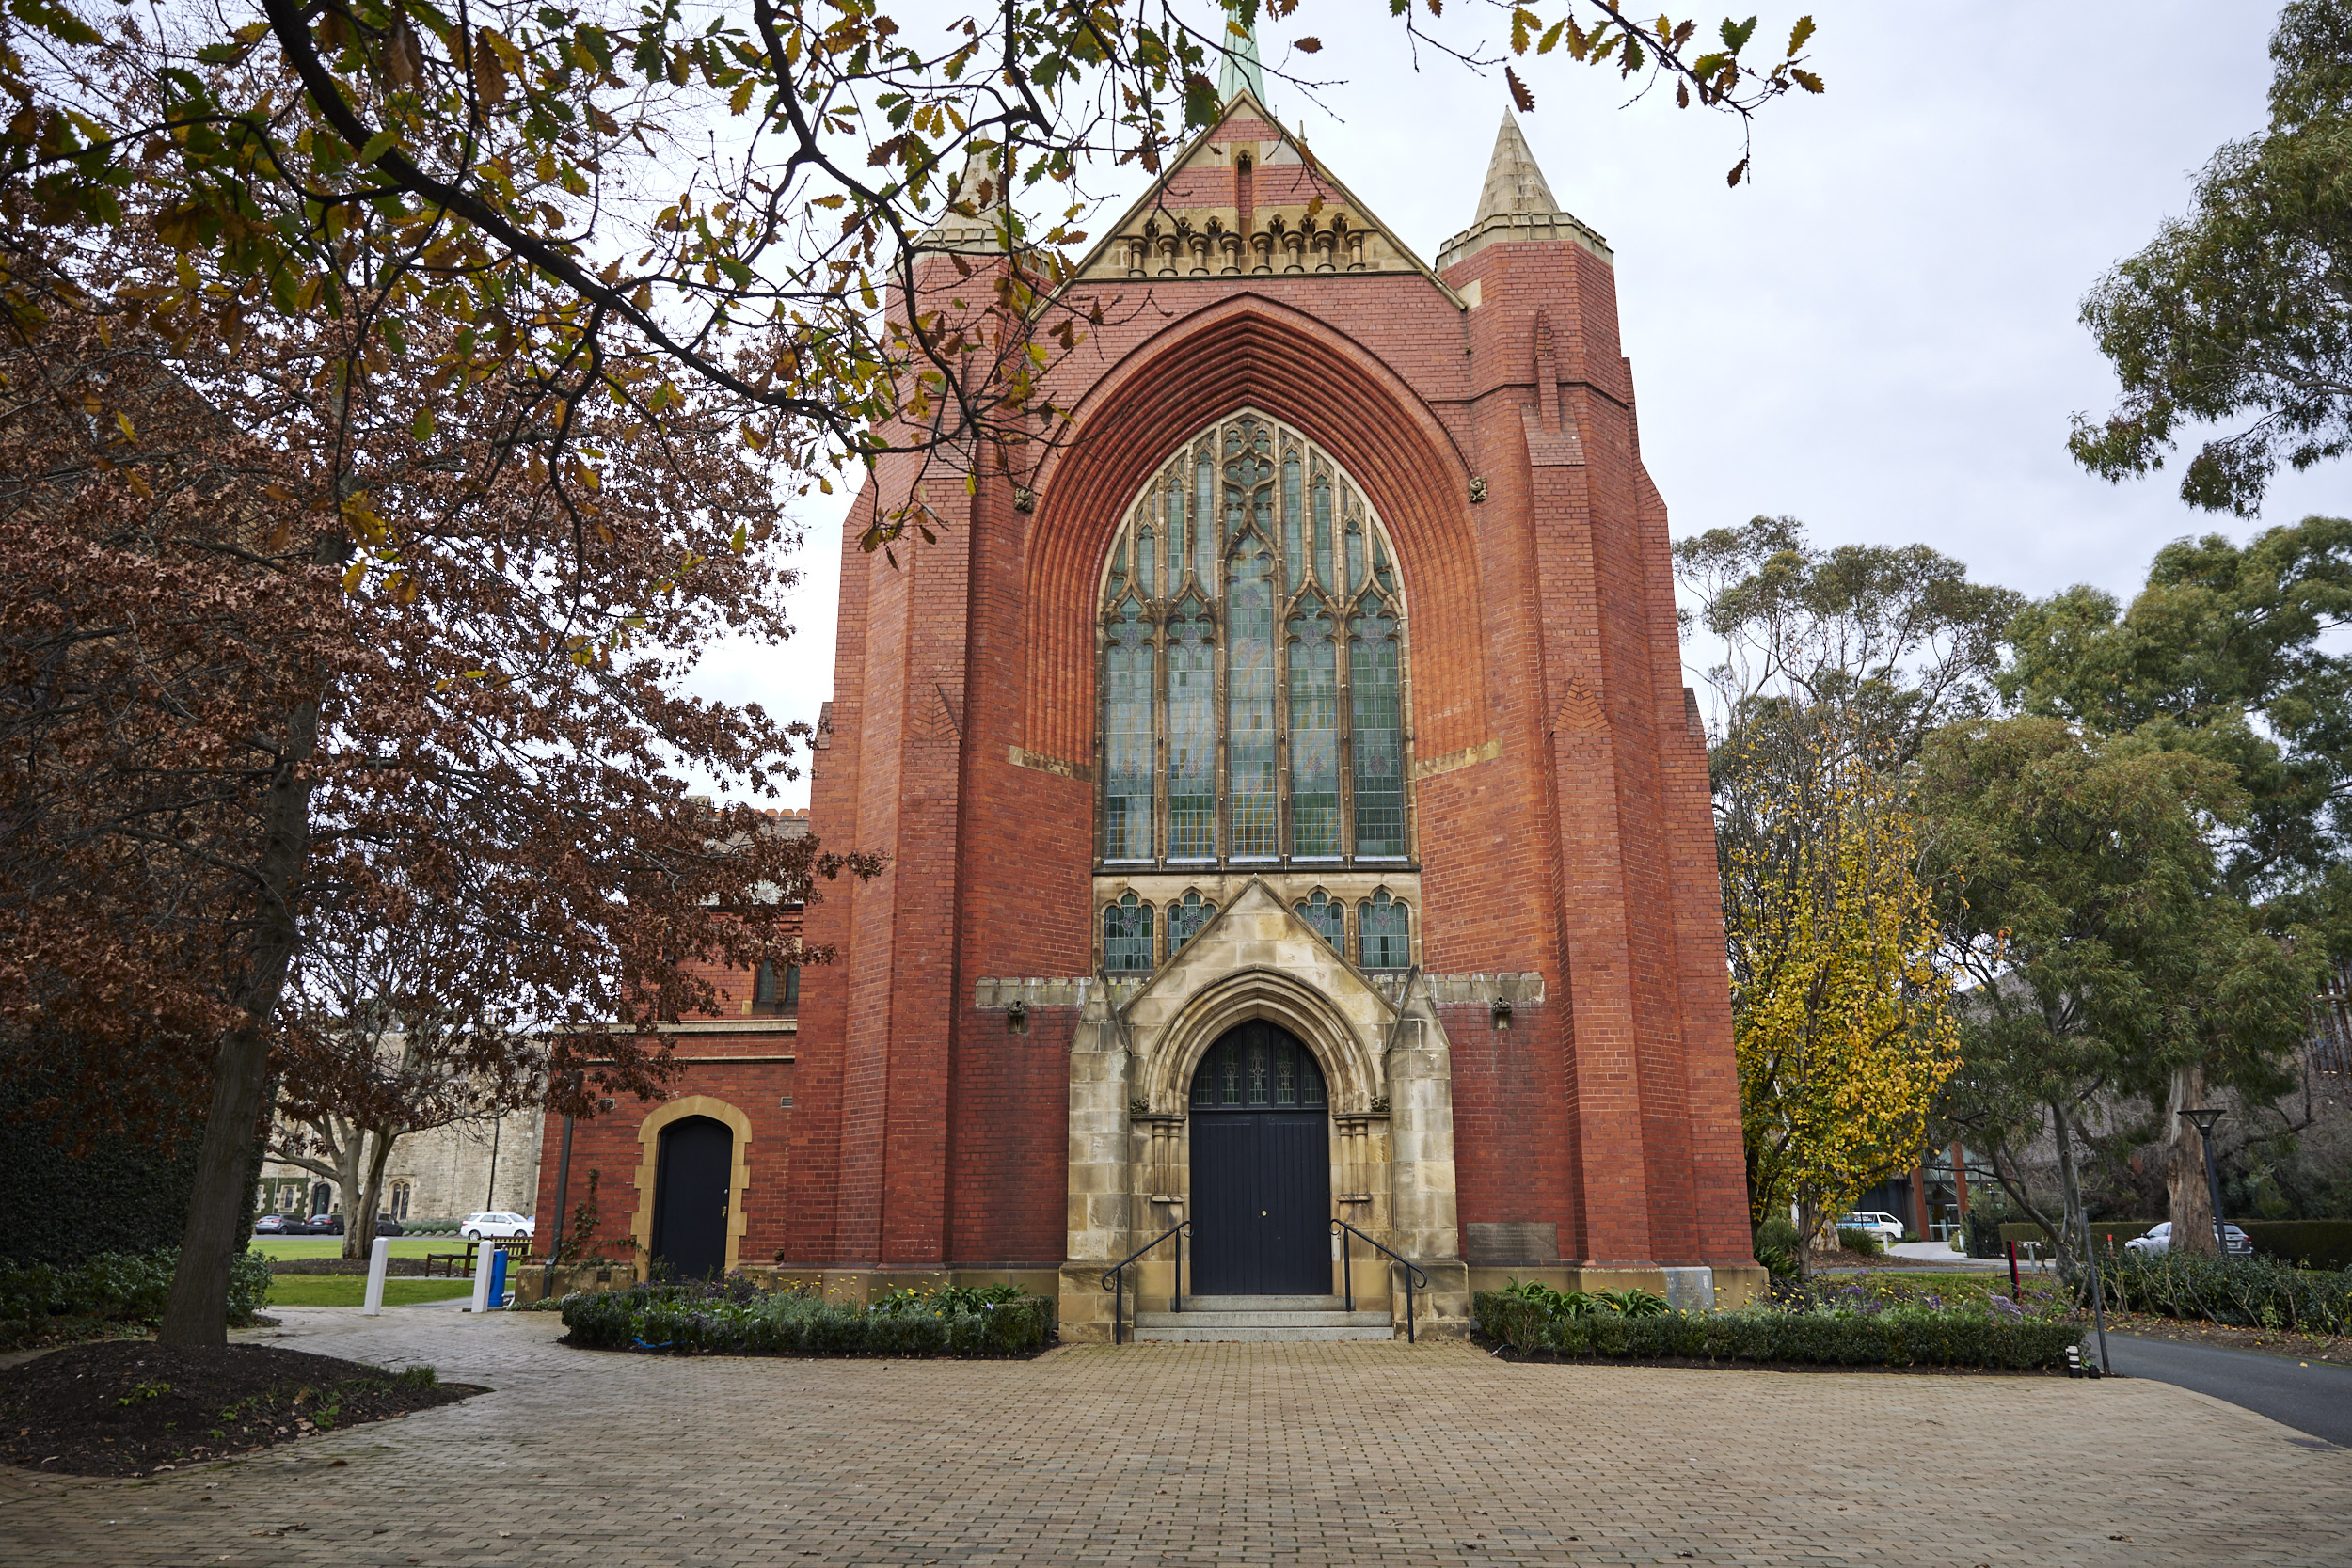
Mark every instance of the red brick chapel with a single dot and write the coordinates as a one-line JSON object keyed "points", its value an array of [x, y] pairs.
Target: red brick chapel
{"points": [[1293, 809]]}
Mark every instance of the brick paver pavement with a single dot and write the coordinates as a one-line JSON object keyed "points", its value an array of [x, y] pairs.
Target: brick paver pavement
{"points": [[1290, 1454]]}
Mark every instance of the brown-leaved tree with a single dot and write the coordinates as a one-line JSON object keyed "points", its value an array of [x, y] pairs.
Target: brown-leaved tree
{"points": [[317, 628]]}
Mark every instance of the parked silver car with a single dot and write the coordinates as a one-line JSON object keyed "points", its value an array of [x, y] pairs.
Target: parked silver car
{"points": [[2160, 1240]]}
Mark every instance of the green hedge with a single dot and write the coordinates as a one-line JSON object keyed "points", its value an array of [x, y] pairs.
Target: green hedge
{"points": [[2311, 1244], [1898, 1336], [2112, 1234], [688, 1320], [43, 1300], [2315, 1243], [2250, 1293]]}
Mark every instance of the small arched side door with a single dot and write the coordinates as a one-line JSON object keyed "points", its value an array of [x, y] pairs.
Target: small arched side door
{"points": [[690, 1195]]}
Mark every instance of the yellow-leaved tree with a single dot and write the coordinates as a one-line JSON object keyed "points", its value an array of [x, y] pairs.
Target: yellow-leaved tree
{"points": [[1841, 1013]]}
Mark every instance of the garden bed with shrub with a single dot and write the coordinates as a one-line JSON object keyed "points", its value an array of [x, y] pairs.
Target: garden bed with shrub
{"points": [[134, 1409], [395, 1267], [113, 1293], [2243, 1292], [731, 1318], [1989, 1333]]}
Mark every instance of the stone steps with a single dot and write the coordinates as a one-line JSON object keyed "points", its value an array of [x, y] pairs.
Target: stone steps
{"points": [[1265, 1303], [1228, 1319], [1190, 1319]]}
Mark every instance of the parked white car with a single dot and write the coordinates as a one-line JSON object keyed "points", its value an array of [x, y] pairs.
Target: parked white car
{"points": [[494, 1225], [2160, 1240], [1878, 1222]]}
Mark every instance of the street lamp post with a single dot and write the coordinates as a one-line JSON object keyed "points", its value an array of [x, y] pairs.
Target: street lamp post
{"points": [[2202, 1118]]}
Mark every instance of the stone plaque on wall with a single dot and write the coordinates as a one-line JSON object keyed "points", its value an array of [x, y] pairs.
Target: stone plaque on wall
{"points": [[1496, 1242]]}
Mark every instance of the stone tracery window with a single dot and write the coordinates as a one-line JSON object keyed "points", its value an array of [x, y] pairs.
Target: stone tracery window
{"points": [[1254, 688], [1387, 928], [1185, 920], [1127, 936], [1326, 917]]}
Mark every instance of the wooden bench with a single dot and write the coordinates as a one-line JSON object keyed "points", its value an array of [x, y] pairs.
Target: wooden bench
{"points": [[456, 1265]]}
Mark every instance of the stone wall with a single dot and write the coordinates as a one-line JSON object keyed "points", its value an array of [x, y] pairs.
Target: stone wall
{"points": [[452, 1171]]}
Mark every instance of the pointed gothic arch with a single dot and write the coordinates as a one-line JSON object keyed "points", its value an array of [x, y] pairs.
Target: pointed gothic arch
{"points": [[1256, 353], [1259, 959], [1255, 674]]}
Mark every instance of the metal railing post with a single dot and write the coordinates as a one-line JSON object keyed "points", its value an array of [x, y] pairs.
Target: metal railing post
{"points": [[1116, 1277], [1409, 1305], [1348, 1266]]}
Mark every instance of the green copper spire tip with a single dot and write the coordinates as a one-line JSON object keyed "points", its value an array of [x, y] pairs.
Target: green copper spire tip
{"points": [[1240, 68]]}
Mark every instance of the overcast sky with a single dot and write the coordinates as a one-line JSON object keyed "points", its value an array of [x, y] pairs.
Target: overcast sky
{"points": [[1878, 336]]}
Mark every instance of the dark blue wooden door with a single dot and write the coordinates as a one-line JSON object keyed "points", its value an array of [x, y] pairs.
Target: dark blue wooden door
{"points": [[1261, 1168], [691, 1178]]}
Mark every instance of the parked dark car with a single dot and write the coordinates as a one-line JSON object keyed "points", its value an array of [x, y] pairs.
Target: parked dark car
{"points": [[387, 1226], [327, 1224], [271, 1225]]}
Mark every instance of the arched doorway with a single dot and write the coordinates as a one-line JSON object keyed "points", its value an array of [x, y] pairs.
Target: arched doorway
{"points": [[689, 1197], [1260, 1167]]}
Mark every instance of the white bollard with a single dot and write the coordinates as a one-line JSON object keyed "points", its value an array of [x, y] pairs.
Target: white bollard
{"points": [[378, 1259], [483, 1253]]}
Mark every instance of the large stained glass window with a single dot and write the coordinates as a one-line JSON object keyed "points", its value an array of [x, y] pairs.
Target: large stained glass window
{"points": [[1191, 641], [1372, 658], [1254, 673], [1315, 736], [1249, 742], [1127, 737]]}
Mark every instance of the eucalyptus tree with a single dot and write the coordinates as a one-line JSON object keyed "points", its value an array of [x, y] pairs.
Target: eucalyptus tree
{"points": [[2241, 312], [2228, 652], [2085, 904]]}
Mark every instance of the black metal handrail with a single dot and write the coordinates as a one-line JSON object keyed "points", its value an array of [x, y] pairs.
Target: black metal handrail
{"points": [[1115, 1278], [1347, 1272]]}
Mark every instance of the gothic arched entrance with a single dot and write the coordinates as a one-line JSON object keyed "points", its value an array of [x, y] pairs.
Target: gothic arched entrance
{"points": [[689, 1197], [1260, 1167]]}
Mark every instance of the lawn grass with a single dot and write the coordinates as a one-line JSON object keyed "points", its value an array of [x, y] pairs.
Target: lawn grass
{"points": [[350, 1289], [332, 1246]]}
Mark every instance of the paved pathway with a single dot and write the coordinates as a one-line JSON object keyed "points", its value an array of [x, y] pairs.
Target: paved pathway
{"points": [[2310, 1396], [1289, 1454]]}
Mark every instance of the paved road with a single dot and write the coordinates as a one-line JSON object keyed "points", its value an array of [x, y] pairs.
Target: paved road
{"points": [[1226, 1456], [2314, 1399]]}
